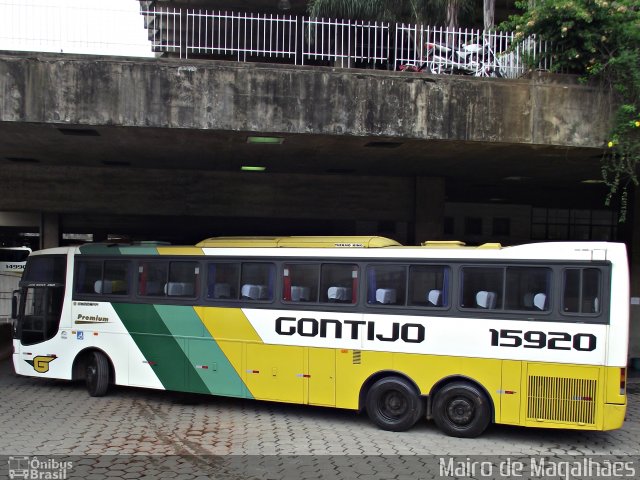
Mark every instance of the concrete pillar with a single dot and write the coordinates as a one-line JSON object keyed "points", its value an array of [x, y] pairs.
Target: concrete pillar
{"points": [[429, 209], [49, 230], [633, 246]]}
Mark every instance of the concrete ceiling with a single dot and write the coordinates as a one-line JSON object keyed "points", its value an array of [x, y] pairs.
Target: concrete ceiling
{"points": [[474, 171]]}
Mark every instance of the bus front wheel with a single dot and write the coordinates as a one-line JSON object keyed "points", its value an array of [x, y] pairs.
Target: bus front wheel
{"points": [[393, 404], [97, 374], [461, 409]]}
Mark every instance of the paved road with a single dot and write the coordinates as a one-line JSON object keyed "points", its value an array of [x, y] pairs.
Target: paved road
{"points": [[56, 418]]}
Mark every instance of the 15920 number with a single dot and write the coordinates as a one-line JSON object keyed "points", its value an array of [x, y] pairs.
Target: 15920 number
{"points": [[583, 342]]}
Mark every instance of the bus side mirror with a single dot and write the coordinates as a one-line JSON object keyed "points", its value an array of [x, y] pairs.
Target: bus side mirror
{"points": [[14, 304]]}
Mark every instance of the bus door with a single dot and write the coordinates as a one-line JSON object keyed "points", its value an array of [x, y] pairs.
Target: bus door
{"points": [[40, 309]]}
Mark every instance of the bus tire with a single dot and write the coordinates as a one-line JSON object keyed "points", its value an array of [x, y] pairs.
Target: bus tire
{"points": [[393, 404], [97, 374], [461, 409]]}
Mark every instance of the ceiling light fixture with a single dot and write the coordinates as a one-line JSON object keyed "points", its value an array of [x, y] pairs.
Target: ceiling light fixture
{"points": [[265, 140], [252, 168]]}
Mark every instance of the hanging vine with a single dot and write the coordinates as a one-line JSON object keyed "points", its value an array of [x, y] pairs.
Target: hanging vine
{"points": [[599, 40]]}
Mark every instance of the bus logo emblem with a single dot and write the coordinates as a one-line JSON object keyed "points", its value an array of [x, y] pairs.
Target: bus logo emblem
{"points": [[41, 364]]}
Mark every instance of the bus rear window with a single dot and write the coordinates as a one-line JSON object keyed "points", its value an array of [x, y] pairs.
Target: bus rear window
{"points": [[13, 255], [46, 269]]}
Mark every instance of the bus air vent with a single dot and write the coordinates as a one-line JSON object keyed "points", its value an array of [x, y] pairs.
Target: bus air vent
{"points": [[565, 400], [357, 357]]}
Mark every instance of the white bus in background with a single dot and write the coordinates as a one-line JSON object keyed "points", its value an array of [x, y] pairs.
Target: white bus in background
{"points": [[12, 262]]}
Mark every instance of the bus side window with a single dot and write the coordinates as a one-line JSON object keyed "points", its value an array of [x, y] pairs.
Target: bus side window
{"points": [[109, 277], [89, 277], [338, 283], [116, 277], [482, 288], [528, 288], [183, 279], [223, 280], [300, 282], [386, 284], [582, 293], [152, 277], [258, 281], [429, 286]]}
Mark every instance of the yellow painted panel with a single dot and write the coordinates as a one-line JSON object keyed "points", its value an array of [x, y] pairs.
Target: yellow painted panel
{"points": [[612, 388], [275, 372], [227, 324], [613, 416], [230, 329], [353, 367], [511, 393], [180, 251], [322, 376]]}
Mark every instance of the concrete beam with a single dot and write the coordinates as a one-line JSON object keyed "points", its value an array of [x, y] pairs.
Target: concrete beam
{"points": [[209, 95]]}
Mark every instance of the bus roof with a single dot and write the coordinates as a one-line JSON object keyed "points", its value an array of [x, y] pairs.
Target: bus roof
{"points": [[300, 242]]}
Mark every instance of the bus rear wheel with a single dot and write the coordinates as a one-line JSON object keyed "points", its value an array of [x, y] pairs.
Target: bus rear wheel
{"points": [[393, 404], [97, 374], [461, 409]]}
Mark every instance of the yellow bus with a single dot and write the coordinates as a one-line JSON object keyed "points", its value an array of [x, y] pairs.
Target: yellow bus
{"points": [[529, 335]]}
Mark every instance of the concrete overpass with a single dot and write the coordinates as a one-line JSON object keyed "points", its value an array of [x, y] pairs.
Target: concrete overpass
{"points": [[126, 140]]}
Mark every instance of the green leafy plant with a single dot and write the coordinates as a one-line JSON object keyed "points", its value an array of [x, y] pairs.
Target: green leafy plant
{"points": [[427, 12], [599, 40]]}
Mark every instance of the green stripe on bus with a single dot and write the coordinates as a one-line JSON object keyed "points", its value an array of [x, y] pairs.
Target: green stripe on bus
{"points": [[114, 250], [164, 353], [206, 360], [138, 251], [176, 333]]}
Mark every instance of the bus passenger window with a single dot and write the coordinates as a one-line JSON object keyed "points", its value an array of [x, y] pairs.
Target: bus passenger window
{"points": [[386, 285], [338, 283], [152, 277], [582, 291], [183, 279], [428, 286], [528, 288], [110, 277], [89, 277], [223, 281], [257, 280], [482, 287], [300, 283]]}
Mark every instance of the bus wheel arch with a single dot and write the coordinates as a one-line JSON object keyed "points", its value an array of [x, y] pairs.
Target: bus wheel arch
{"points": [[392, 401], [96, 368], [461, 407]]}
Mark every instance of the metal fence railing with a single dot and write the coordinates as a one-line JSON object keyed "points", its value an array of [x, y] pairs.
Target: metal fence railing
{"points": [[244, 35], [188, 33], [345, 42], [465, 51], [164, 29]]}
